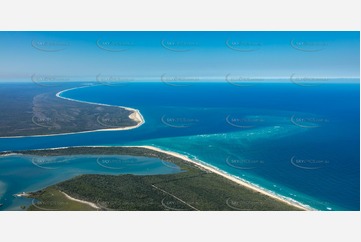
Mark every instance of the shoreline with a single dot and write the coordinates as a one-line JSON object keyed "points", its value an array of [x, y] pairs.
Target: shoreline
{"points": [[135, 116], [204, 166], [93, 205], [9, 154], [230, 177]]}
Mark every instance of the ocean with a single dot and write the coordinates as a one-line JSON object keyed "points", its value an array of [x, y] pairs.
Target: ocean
{"points": [[300, 142]]}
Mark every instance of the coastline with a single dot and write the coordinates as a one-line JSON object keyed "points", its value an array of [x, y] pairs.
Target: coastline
{"points": [[135, 115], [9, 154], [203, 166], [230, 177]]}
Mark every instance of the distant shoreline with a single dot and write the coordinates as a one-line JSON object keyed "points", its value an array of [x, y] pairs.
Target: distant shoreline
{"points": [[135, 115]]}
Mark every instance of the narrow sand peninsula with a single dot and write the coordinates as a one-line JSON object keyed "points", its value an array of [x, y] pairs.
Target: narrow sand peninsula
{"points": [[135, 115], [229, 177], [93, 205], [9, 154]]}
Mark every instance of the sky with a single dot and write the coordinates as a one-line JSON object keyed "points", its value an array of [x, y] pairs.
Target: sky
{"points": [[149, 56]]}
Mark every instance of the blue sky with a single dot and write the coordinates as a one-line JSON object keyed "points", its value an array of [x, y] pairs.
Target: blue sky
{"points": [[149, 55]]}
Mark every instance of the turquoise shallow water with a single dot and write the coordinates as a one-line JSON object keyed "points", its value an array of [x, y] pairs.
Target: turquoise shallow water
{"points": [[298, 142], [31, 173]]}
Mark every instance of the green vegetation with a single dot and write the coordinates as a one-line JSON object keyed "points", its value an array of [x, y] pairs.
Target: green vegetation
{"points": [[192, 189], [52, 199], [38, 111]]}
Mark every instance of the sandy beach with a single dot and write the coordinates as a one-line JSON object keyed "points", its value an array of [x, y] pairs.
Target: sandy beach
{"points": [[230, 177], [135, 115], [205, 167], [93, 205], [9, 154]]}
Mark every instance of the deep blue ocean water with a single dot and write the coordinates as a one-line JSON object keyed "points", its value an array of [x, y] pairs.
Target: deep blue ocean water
{"points": [[301, 142]]}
